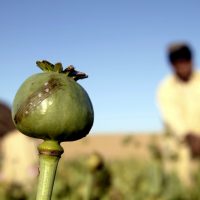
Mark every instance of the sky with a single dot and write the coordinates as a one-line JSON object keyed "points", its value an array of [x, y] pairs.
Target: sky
{"points": [[120, 44]]}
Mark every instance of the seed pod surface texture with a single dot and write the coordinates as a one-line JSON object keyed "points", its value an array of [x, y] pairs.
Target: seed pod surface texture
{"points": [[53, 106]]}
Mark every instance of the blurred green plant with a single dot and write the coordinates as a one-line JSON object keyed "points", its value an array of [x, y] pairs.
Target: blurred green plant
{"points": [[127, 139], [131, 180]]}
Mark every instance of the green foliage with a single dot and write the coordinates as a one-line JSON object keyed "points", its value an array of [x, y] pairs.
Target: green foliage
{"points": [[130, 180]]}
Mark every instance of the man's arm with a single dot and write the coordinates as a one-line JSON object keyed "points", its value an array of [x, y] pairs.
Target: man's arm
{"points": [[174, 117], [172, 112]]}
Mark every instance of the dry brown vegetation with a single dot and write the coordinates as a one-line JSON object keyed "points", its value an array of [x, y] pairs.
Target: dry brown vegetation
{"points": [[113, 146]]}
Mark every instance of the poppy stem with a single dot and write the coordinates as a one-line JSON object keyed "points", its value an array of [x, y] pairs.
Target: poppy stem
{"points": [[49, 153]]}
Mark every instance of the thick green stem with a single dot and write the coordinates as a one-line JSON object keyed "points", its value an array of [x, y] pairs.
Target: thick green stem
{"points": [[50, 152]]}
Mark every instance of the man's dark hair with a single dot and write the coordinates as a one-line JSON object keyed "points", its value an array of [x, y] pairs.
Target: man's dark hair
{"points": [[179, 51], [6, 123]]}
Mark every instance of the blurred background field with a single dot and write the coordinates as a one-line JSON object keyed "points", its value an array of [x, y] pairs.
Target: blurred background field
{"points": [[134, 164], [113, 146], [121, 45]]}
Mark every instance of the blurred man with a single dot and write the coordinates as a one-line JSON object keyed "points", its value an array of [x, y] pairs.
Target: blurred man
{"points": [[179, 102], [19, 162], [6, 124]]}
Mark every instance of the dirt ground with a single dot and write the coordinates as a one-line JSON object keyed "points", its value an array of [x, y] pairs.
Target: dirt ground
{"points": [[113, 146]]}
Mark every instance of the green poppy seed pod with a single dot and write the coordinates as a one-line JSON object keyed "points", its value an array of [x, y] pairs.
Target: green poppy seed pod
{"points": [[52, 105]]}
